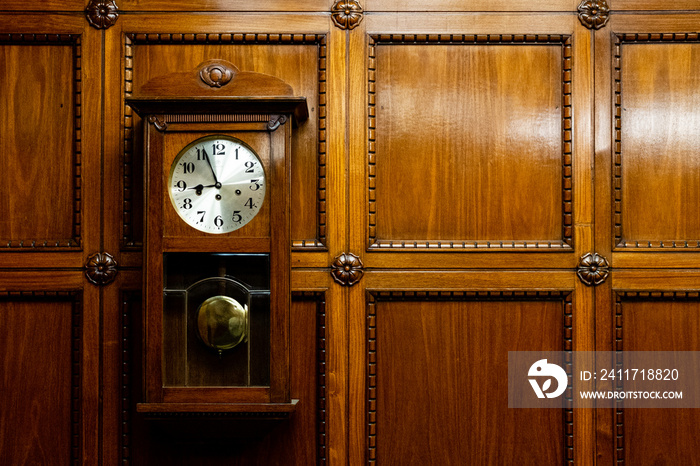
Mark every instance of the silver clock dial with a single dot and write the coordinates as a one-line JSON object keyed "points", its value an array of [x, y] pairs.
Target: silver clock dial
{"points": [[217, 184]]}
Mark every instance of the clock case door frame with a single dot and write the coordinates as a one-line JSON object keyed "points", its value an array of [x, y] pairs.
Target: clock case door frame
{"points": [[184, 399]]}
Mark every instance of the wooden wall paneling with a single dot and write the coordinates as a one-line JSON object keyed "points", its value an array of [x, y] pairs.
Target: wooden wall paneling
{"points": [[272, 6], [647, 184], [603, 198], [339, 221], [583, 164], [47, 6], [604, 336], [123, 165], [355, 147], [655, 169], [52, 159], [41, 350], [299, 58], [50, 373], [120, 352], [422, 8], [429, 286], [647, 319], [652, 5], [51, 138], [150, 45], [425, 351], [396, 130], [438, 185]]}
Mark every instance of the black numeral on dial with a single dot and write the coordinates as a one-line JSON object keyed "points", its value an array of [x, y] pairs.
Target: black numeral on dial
{"points": [[187, 167]]}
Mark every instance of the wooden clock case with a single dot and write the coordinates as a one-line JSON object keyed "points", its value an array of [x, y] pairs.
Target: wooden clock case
{"points": [[259, 110]]}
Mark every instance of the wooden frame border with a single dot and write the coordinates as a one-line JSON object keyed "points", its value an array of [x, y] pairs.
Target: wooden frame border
{"points": [[566, 42], [374, 297], [75, 243], [619, 243], [619, 297]]}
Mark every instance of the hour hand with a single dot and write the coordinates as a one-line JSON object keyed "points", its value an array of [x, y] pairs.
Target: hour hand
{"points": [[199, 187]]}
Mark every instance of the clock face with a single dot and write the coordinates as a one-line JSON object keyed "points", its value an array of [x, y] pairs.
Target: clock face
{"points": [[217, 184]]}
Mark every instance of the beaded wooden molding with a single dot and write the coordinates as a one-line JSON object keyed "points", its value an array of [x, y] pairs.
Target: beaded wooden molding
{"points": [[130, 300], [76, 300], [620, 297], [563, 41], [620, 242], [75, 242], [129, 241], [373, 298]]}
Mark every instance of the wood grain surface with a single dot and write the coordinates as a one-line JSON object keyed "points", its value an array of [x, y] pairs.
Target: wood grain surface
{"points": [[459, 141], [446, 119], [37, 382], [660, 164], [37, 108]]}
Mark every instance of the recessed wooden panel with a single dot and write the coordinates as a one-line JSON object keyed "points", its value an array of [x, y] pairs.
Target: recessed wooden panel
{"points": [[40, 141], [470, 142], [437, 372], [298, 59], [657, 135], [39, 379], [657, 322]]}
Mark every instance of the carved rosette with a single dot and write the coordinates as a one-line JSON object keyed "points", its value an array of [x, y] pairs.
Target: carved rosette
{"points": [[102, 14], [101, 268], [346, 269], [593, 269], [216, 74], [593, 13], [346, 14]]}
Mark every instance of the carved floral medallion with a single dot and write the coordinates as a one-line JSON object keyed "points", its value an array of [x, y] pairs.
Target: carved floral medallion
{"points": [[101, 268], [346, 269], [346, 14], [593, 269], [593, 13], [102, 14]]}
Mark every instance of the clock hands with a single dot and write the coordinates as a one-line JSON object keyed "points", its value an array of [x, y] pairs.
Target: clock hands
{"points": [[199, 187], [216, 184]]}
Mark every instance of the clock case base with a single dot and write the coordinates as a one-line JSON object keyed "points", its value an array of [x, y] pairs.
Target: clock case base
{"points": [[170, 113], [234, 424]]}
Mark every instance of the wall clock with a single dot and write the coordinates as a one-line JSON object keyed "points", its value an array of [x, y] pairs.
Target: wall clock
{"points": [[217, 151]]}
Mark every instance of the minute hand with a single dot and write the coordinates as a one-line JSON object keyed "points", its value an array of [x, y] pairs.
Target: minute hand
{"points": [[216, 181]]}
